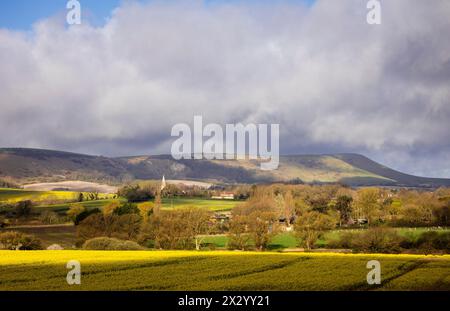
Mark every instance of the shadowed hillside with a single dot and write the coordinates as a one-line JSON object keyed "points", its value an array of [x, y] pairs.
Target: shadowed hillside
{"points": [[364, 163], [35, 165]]}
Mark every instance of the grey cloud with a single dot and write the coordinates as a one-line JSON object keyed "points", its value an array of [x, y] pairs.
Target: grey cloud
{"points": [[334, 83]]}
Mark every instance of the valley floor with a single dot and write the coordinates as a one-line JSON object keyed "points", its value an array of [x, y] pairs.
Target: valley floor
{"points": [[219, 270]]}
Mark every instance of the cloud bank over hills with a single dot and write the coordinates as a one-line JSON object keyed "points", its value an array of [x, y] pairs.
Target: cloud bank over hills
{"points": [[333, 82]]}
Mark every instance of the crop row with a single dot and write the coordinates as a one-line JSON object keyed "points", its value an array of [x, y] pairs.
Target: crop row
{"points": [[185, 270]]}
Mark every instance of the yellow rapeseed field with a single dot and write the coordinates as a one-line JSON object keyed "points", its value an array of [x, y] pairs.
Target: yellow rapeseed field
{"points": [[15, 195], [218, 270]]}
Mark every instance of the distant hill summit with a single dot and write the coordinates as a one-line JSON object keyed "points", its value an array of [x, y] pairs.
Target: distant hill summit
{"points": [[38, 165]]}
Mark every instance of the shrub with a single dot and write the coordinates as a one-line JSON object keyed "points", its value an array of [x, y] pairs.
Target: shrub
{"points": [[442, 241], [3, 222], [23, 208], [149, 243], [74, 211], [374, 240], [345, 240], [85, 214], [208, 246], [432, 240], [239, 242], [442, 215], [50, 218], [126, 208], [99, 225], [146, 210], [136, 193], [378, 240], [105, 243], [109, 208], [13, 240]]}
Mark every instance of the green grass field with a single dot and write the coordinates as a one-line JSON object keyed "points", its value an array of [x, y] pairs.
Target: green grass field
{"points": [[167, 204], [412, 233], [63, 200], [280, 241], [288, 239], [212, 205], [66, 237], [63, 207], [219, 270]]}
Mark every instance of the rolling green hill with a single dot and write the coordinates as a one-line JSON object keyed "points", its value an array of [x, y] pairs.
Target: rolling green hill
{"points": [[36, 165]]}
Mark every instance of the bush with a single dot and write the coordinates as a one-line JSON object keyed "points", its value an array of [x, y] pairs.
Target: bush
{"points": [[105, 243], [50, 218], [124, 227], [23, 208], [85, 214], [13, 240], [136, 193], [208, 246], [3, 222], [378, 240], [239, 242], [149, 243], [442, 241], [345, 240], [74, 211], [374, 240], [432, 240], [126, 208]]}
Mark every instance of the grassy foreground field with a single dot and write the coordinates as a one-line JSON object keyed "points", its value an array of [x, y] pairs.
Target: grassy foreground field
{"points": [[219, 270]]}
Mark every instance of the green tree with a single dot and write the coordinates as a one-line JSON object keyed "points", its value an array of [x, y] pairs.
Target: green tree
{"points": [[289, 207], [311, 226], [344, 207], [238, 238], [23, 208], [368, 204], [74, 211], [262, 226], [259, 218]]}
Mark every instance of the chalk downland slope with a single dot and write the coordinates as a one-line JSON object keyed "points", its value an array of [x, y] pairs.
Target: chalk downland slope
{"points": [[77, 186], [30, 166]]}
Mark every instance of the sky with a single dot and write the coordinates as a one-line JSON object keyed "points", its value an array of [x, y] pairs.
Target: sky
{"points": [[116, 84], [22, 14]]}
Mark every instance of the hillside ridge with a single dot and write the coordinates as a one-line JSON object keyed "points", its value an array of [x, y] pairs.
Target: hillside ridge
{"points": [[28, 165]]}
